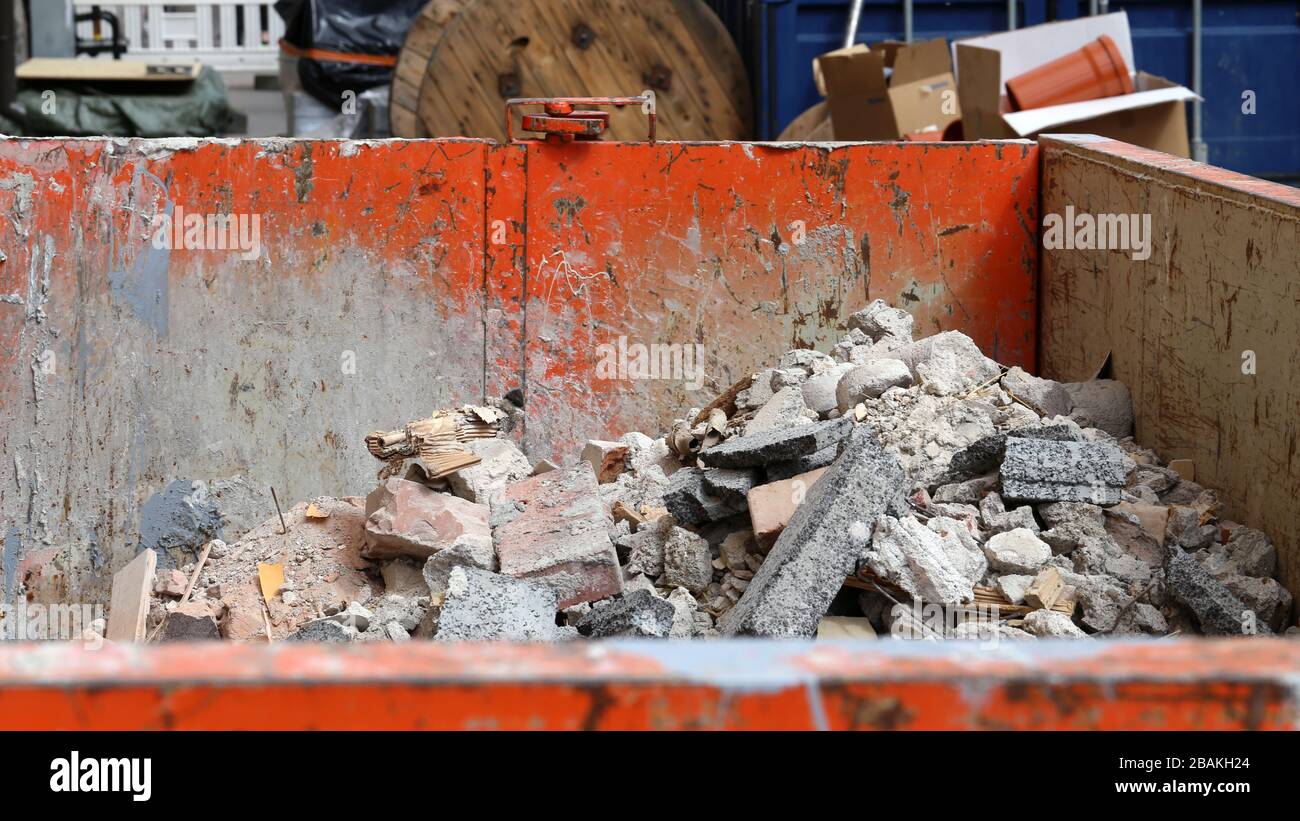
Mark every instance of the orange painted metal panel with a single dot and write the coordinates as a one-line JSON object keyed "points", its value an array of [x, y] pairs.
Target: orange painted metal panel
{"points": [[739, 252], [1168, 685]]}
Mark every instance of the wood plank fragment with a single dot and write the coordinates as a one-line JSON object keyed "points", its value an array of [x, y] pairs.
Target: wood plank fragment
{"points": [[129, 602]]}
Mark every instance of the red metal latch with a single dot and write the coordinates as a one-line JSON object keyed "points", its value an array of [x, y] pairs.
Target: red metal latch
{"points": [[563, 121]]}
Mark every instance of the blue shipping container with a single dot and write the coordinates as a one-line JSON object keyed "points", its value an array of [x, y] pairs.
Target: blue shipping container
{"points": [[1251, 53]]}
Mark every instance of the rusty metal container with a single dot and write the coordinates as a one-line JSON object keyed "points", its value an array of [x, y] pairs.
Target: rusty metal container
{"points": [[392, 277]]}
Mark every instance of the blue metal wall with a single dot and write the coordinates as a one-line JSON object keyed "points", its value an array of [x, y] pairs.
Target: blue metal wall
{"points": [[1252, 45]]}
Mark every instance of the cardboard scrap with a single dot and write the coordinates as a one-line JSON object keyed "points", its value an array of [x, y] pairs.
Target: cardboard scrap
{"points": [[271, 577]]}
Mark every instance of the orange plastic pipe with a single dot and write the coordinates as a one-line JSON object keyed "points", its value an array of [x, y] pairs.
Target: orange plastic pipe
{"points": [[1097, 70]]}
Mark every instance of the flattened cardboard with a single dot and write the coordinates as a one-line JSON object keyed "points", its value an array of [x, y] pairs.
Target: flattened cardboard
{"points": [[868, 103]]}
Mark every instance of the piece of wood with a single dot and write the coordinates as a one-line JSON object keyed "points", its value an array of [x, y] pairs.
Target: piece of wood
{"points": [[189, 590], [497, 49], [129, 601], [1045, 589], [409, 75], [84, 69], [623, 513], [845, 627]]}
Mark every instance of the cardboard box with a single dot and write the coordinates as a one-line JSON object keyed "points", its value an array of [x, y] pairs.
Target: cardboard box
{"points": [[1153, 116], [888, 90]]}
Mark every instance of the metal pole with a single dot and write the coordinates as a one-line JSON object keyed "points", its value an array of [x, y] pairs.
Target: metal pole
{"points": [[855, 12], [1200, 151], [1011, 15], [907, 20]]}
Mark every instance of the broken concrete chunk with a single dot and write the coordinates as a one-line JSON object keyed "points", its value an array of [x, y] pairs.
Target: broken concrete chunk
{"points": [[880, 322], [191, 621], [1219, 612], [689, 501], [1046, 397], [687, 561], [731, 486], [1017, 551], [776, 471], [1051, 624], [934, 567], [997, 519], [638, 614], [502, 462], [684, 610], [561, 540], [948, 364], [463, 553], [403, 575], [822, 543], [969, 493], [809, 361], [1102, 403], [1269, 599], [977, 459], [758, 393], [784, 409], [1248, 552], [1014, 586], [645, 548], [772, 505], [819, 392], [1056, 513], [170, 583], [483, 606], [1037, 470], [756, 450], [327, 630], [406, 518], [870, 380], [607, 459]]}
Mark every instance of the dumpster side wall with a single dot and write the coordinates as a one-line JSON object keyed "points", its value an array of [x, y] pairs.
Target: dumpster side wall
{"points": [[1205, 331], [128, 366], [393, 278]]}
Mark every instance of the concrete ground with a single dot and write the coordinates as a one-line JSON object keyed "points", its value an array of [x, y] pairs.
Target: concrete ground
{"points": [[265, 109]]}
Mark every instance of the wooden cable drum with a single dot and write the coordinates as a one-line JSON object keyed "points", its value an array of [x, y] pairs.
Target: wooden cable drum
{"points": [[497, 49], [814, 125], [421, 40]]}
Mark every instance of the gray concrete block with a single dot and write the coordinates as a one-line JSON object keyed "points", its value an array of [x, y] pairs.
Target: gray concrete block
{"points": [[822, 543], [637, 614], [782, 445], [483, 606]]}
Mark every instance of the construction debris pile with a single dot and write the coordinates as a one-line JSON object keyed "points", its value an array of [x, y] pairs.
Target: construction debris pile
{"points": [[891, 487]]}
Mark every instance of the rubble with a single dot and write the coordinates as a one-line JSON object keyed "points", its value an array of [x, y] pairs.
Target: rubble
{"points": [[561, 539], [771, 505], [639, 614], [757, 450], [1037, 470], [820, 546], [500, 462], [842, 494], [939, 564], [483, 606], [405, 518]]}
